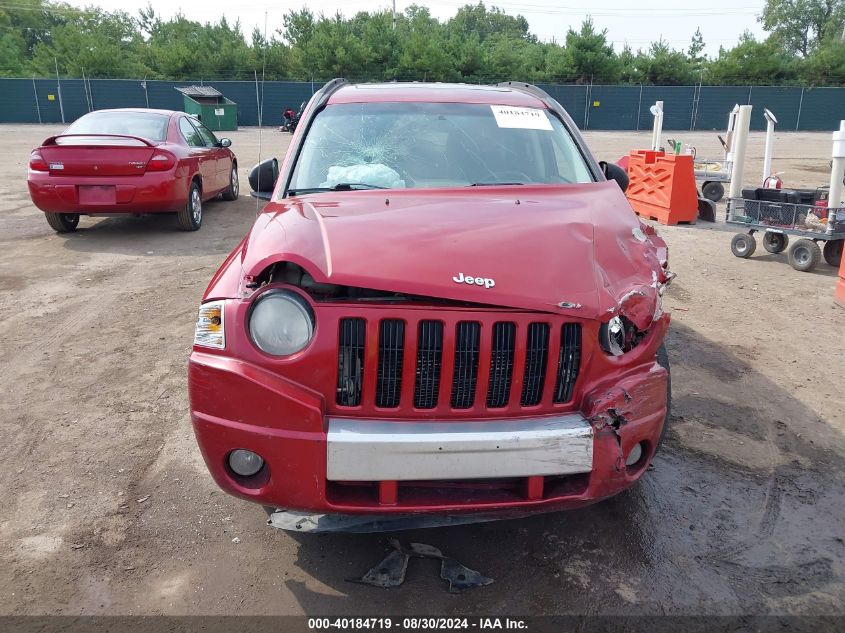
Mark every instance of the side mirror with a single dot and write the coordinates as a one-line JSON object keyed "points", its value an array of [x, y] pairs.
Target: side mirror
{"points": [[262, 178], [612, 171], [224, 142]]}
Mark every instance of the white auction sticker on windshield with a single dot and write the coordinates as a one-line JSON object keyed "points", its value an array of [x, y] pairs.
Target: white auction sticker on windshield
{"points": [[522, 118]]}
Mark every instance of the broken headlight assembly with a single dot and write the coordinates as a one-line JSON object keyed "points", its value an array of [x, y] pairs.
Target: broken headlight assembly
{"points": [[619, 336], [281, 323], [209, 331]]}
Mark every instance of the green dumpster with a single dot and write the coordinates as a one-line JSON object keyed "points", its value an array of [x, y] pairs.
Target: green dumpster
{"points": [[211, 107]]}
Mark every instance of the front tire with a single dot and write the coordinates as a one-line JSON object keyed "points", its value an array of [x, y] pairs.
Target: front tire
{"points": [[234, 185], [190, 216], [62, 222]]}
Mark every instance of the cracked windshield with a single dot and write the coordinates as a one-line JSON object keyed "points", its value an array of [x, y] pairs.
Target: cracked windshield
{"points": [[425, 145]]}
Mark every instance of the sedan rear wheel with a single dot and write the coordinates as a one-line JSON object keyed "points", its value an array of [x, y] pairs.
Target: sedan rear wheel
{"points": [[190, 216], [232, 192], [63, 222]]}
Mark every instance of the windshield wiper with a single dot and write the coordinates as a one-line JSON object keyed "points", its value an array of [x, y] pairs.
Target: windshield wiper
{"points": [[494, 184], [341, 186]]}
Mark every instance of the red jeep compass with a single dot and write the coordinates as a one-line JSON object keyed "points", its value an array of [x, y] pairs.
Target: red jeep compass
{"points": [[447, 307]]}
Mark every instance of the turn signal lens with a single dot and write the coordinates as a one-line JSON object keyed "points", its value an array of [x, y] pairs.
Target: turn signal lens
{"points": [[210, 331]]}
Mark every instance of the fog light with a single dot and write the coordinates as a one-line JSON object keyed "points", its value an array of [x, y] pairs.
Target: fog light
{"points": [[245, 463], [633, 456]]}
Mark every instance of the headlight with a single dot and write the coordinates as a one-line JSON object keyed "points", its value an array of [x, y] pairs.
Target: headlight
{"points": [[619, 335], [281, 323], [209, 331]]}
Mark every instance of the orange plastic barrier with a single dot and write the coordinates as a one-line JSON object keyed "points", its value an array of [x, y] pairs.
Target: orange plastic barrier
{"points": [[662, 187], [839, 291]]}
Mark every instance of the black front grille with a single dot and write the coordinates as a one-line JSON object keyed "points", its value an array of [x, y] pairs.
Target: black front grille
{"points": [[501, 364], [350, 361], [429, 361], [536, 357], [391, 352], [433, 349], [569, 362], [467, 344]]}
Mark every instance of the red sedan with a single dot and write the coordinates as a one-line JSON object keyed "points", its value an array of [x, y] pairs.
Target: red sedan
{"points": [[131, 161]]}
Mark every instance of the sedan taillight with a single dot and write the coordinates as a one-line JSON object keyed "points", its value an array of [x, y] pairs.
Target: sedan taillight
{"points": [[37, 162], [161, 161]]}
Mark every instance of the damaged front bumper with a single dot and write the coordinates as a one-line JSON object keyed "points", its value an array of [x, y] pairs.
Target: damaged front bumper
{"points": [[325, 471]]}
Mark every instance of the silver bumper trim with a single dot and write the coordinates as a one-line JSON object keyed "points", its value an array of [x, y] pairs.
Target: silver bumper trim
{"points": [[375, 450]]}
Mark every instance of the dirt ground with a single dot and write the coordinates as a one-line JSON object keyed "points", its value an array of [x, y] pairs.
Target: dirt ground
{"points": [[107, 508]]}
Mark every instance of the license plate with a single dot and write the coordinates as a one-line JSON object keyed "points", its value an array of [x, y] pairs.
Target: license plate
{"points": [[97, 194]]}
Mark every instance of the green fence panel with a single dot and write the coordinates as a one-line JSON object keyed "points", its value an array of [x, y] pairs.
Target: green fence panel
{"points": [[591, 107], [715, 104], [17, 101], [677, 106], [118, 93], [163, 94], [782, 101], [822, 109], [613, 107]]}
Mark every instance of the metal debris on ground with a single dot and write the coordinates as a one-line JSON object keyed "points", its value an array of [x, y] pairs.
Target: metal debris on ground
{"points": [[390, 572]]}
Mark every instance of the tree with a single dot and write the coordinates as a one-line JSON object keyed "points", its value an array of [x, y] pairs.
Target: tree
{"points": [[664, 66], [423, 55], [479, 44], [589, 56], [100, 43], [629, 71], [477, 19], [826, 64], [695, 53], [800, 25], [753, 62]]}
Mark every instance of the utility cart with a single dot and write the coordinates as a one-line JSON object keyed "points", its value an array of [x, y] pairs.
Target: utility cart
{"points": [[713, 173], [781, 213]]}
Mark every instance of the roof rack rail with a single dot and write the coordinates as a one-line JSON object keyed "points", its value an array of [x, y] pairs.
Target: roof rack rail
{"points": [[329, 88], [526, 87]]}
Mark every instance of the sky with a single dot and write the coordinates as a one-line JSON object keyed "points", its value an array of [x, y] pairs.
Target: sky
{"points": [[635, 23]]}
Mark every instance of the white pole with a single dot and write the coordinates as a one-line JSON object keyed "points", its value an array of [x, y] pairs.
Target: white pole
{"points": [[738, 146], [837, 169], [656, 111], [770, 140]]}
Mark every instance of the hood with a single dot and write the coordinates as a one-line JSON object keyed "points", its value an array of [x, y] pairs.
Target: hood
{"points": [[576, 249]]}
